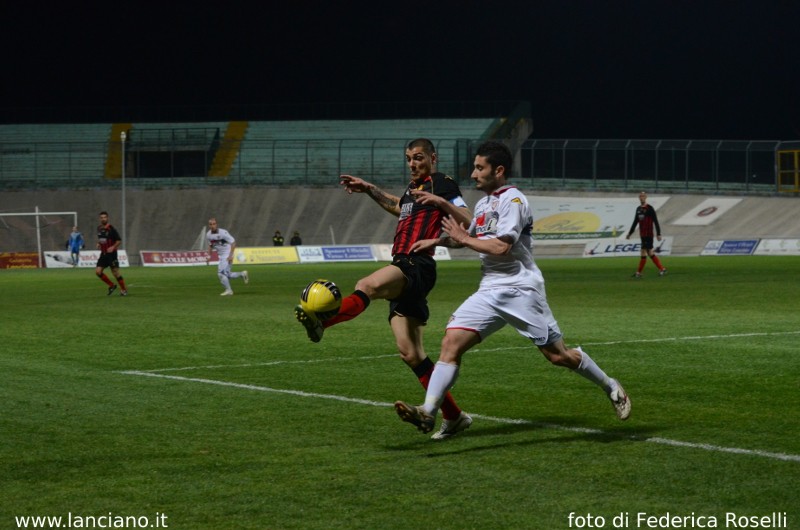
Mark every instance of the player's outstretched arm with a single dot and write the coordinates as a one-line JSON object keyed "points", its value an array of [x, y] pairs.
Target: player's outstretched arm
{"points": [[496, 246], [460, 214], [387, 201]]}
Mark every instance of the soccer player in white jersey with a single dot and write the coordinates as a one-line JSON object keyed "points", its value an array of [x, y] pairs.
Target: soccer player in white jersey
{"points": [[223, 242], [511, 290]]}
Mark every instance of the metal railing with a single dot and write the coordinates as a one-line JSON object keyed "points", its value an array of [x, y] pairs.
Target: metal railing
{"points": [[702, 165], [264, 162], [688, 165]]}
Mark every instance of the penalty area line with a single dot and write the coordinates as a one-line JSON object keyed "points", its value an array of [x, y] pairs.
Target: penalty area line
{"points": [[582, 430], [269, 363]]}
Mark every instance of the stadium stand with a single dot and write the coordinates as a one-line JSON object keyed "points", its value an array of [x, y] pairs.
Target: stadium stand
{"points": [[228, 151], [317, 152], [285, 153], [54, 154]]}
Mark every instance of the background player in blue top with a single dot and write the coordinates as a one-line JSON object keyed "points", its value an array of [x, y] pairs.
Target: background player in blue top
{"points": [[75, 244]]}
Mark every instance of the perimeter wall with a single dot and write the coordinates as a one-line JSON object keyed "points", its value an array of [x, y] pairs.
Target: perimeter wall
{"points": [[174, 219]]}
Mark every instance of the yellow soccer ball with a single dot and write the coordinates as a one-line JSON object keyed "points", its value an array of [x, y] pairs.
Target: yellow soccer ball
{"points": [[322, 298]]}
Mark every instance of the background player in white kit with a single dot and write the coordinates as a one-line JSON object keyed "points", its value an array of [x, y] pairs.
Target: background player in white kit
{"points": [[511, 290], [223, 242]]}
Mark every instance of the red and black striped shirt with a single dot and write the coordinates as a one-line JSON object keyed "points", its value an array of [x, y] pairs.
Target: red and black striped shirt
{"points": [[422, 221], [647, 219], [107, 235]]}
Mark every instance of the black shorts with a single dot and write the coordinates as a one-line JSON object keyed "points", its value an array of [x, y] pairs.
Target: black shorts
{"points": [[647, 243], [108, 260], [420, 273]]}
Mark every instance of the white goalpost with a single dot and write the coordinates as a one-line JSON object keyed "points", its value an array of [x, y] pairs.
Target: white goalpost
{"points": [[39, 215]]}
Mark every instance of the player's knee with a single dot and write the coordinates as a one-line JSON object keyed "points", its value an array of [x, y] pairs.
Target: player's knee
{"points": [[456, 343], [367, 286], [450, 356], [411, 352], [410, 355], [450, 349]]}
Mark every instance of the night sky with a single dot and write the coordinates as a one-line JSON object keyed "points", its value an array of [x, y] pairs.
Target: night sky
{"points": [[591, 69]]}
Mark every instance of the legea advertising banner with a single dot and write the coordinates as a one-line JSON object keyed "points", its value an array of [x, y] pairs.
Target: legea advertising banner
{"points": [[615, 247]]}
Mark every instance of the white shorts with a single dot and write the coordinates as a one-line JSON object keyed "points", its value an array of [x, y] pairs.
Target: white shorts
{"points": [[526, 310], [224, 267]]}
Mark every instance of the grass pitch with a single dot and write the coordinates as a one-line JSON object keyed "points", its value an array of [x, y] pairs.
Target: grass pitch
{"points": [[184, 409]]}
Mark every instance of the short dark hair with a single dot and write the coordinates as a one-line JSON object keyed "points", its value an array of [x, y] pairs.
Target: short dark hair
{"points": [[497, 154], [424, 143], [104, 212]]}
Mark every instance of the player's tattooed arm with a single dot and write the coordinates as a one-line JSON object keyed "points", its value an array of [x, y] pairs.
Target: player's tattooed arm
{"points": [[388, 202]]}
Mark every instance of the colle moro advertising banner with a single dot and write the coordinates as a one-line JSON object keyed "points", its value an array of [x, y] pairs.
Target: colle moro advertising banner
{"points": [[168, 258]]}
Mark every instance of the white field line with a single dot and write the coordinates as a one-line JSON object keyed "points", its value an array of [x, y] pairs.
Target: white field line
{"points": [[300, 393], [270, 363]]}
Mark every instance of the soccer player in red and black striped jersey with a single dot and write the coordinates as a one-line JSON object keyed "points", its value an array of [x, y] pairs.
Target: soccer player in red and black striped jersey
{"points": [[647, 220], [108, 241], [429, 197]]}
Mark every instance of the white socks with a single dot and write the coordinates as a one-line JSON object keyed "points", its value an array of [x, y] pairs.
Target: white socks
{"points": [[442, 379], [589, 369], [445, 374]]}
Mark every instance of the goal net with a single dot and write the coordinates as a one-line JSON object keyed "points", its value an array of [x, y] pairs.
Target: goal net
{"points": [[36, 231]]}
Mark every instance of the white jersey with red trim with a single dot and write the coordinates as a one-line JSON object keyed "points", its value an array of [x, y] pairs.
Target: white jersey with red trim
{"points": [[506, 213], [220, 241]]}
